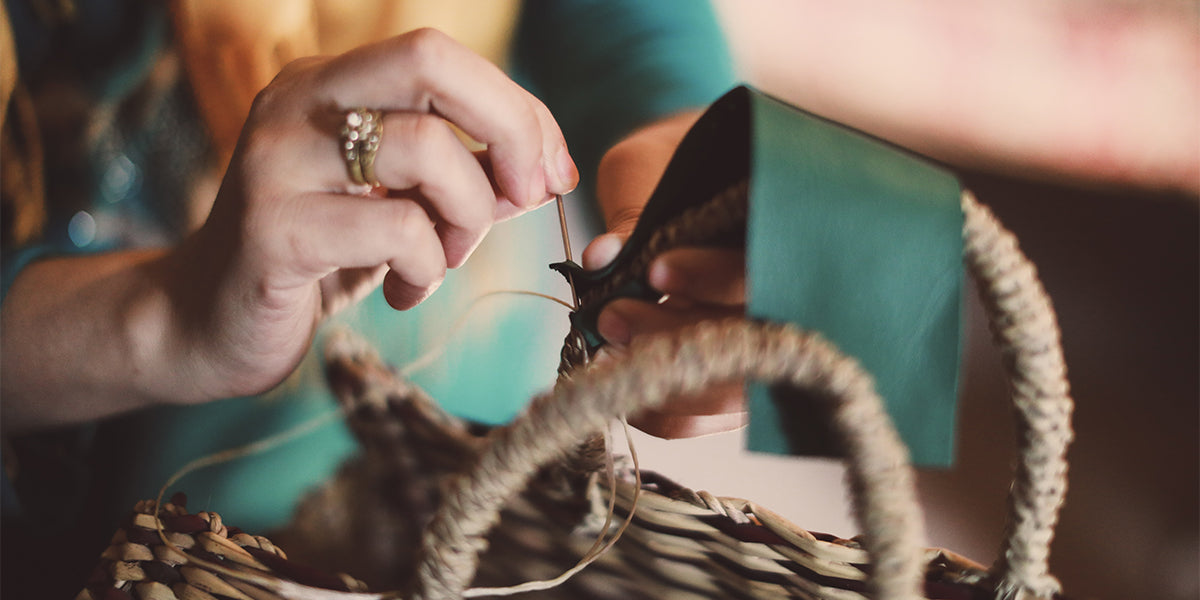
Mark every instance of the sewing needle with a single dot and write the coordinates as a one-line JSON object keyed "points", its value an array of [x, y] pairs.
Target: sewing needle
{"points": [[562, 223]]}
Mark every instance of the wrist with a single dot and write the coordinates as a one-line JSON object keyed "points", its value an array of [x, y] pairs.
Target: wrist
{"points": [[160, 331]]}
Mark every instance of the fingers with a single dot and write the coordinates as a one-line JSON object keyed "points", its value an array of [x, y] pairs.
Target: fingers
{"points": [[425, 71], [701, 284], [558, 164], [718, 408], [402, 294], [707, 275], [602, 250], [624, 319], [300, 218], [422, 154], [714, 276], [393, 231]]}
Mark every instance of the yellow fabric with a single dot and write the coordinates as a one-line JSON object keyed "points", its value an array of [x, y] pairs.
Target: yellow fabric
{"points": [[21, 181], [485, 27], [8, 62], [233, 48]]}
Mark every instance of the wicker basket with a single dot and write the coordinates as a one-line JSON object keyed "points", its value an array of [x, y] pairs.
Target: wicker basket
{"points": [[434, 505]]}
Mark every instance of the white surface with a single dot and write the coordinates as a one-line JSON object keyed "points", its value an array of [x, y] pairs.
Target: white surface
{"points": [[808, 492]]}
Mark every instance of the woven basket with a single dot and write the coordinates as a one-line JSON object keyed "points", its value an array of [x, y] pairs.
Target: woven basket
{"points": [[434, 505]]}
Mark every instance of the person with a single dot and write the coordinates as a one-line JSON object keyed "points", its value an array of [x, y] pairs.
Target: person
{"points": [[142, 329]]}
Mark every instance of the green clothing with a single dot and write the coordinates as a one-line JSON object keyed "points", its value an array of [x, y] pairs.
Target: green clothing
{"points": [[846, 236], [603, 67], [861, 242]]}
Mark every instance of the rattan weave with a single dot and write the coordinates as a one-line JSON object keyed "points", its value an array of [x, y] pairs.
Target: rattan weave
{"points": [[434, 505]]}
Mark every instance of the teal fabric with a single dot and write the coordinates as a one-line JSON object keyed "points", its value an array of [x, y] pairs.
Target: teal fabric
{"points": [[504, 352], [862, 242], [846, 236], [671, 57], [133, 176], [605, 67]]}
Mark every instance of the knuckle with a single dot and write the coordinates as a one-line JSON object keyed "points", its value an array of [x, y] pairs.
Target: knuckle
{"points": [[300, 65], [283, 236], [429, 132], [408, 221], [299, 250], [436, 272], [422, 139], [282, 87], [426, 49]]}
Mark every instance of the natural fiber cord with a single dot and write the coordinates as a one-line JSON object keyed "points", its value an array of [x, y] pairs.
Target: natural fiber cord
{"points": [[653, 371], [1025, 328], [679, 539]]}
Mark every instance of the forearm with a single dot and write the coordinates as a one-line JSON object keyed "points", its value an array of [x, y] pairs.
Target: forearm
{"points": [[1103, 92], [88, 337]]}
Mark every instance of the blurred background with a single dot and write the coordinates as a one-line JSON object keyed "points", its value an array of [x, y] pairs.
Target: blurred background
{"points": [[1079, 124]]}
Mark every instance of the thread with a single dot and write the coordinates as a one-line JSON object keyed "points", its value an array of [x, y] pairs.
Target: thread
{"points": [[431, 356], [601, 546], [314, 423], [311, 425], [286, 588], [250, 449]]}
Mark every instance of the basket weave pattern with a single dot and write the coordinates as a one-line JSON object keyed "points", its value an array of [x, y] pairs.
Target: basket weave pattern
{"points": [[434, 505], [153, 557]]}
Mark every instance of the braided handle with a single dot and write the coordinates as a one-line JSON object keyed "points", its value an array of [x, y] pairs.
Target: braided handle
{"points": [[1024, 326], [652, 371]]}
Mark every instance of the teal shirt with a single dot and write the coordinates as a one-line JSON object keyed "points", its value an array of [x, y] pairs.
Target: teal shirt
{"points": [[603, 68]]}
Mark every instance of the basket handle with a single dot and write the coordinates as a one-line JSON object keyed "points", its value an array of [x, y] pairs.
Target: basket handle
{"points": [[1025, 328], [879, 472]]}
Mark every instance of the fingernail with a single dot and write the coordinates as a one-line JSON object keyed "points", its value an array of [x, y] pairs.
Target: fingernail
{"points": [[602, 251], [662, 277], [568, 173], [613, 327]]}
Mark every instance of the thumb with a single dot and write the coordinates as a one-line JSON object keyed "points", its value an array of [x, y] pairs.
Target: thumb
{"points": [[603, 250]]}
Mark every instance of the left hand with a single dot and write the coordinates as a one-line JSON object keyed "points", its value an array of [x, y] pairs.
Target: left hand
{"points": [[702, 283]]}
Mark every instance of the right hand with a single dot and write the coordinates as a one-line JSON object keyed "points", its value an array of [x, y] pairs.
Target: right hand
{"points": [[291, 239], [702, 283]]}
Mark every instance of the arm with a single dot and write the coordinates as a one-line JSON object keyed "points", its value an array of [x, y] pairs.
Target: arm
{"points": [[81, 340], [1093, 92], [232, 309]]}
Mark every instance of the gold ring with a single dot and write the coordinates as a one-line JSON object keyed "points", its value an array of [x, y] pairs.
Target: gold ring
{"points": [[361, 135]]}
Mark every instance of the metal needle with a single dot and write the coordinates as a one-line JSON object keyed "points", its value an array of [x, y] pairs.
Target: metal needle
{"points": [[562, 223]]}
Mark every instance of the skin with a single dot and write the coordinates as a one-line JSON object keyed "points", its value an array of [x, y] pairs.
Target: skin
{"points": [[702, 283], [1093, 94], [232, 309]]}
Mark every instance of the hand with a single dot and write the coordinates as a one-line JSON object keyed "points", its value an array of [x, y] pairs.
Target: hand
{"points": [[291, 239], [701, 283]]}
